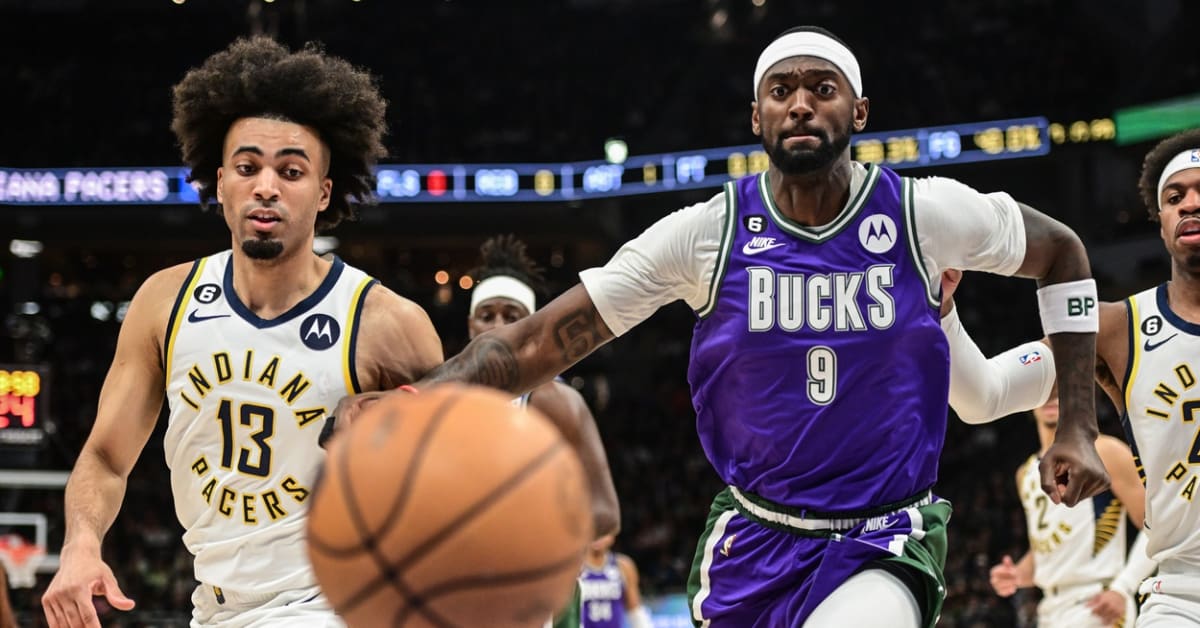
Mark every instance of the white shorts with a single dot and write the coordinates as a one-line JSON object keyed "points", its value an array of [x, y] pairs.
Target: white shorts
{"points": [[1172, 601], [1067, 608], [286, 609]]}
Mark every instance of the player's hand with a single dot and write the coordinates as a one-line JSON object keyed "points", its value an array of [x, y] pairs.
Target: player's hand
{"points": [[348, 409], [1072, 470], [1003, 577], [1108, 605], [81, 575], [950, 280]]}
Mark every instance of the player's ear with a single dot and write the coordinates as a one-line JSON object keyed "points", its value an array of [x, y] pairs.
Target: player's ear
{"points": [[326, 194], [755, 125], [220, 177], [862, 107]]}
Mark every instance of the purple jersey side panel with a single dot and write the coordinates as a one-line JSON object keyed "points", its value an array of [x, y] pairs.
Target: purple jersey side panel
{"points": [[820, 376], [602, 593]]}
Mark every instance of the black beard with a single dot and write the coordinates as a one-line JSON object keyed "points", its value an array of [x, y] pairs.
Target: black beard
{"points": [[262, 249], [803, 161]]}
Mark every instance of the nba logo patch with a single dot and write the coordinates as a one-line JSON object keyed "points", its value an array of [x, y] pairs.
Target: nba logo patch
{"points": [[1195, 155], [1031, 357]]}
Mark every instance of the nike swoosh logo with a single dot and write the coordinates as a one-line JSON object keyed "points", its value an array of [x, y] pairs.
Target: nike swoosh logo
{"points": [[196, 318], [755, 250], [1152, 346]]}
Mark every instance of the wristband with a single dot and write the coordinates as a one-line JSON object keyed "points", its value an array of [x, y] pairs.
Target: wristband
{"points": [[1069, 307]]}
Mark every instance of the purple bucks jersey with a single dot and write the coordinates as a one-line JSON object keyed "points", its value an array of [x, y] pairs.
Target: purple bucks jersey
{"points": [[602, 595], [819, 370]]}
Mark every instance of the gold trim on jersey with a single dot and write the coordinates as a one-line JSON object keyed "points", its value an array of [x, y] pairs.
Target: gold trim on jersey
{"points": [[1135, 350], [181, 314], [1106, 525], [349, 337]]}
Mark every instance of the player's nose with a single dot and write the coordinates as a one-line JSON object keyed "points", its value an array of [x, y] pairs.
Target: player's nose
{"points": [[266, 185]]}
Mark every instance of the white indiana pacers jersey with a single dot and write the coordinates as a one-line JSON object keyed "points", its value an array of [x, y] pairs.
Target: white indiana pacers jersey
{"points": [[248, 398], [1162, 408], [1080, 545]]}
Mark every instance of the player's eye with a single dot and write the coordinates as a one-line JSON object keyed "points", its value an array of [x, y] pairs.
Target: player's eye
{"points": [[244, 169]]}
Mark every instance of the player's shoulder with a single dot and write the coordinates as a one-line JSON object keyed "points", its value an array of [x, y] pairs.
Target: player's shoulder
{"points": [[1112, 449], [383, 305], [168, 279], [1024, 467], [559, 400], [625, 562]]}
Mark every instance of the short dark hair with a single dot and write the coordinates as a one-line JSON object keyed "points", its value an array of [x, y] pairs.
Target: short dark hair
{"points": [[259, 77], [1156, 161], [506, 255]]}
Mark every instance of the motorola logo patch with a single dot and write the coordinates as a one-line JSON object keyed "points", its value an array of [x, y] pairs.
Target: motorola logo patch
{"points": [[319, 332]]}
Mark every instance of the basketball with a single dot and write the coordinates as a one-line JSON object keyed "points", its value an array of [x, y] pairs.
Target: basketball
{"points": [[451, 507]]}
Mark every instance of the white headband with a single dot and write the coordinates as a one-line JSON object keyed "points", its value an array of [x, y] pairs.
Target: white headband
{"points": [[1189, 158], [505, 287], [809, 44]]}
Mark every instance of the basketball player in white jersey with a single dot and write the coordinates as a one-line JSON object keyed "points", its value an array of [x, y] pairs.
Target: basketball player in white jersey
{"points": [[251, 347], [1077, 556], [507, 291], [1147, 350]]}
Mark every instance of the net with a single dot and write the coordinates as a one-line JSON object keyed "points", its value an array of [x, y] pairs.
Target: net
{"points": [[20, 560]]}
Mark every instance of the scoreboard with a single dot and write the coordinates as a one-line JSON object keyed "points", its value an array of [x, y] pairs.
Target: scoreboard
{"points": [[24, 404], [538, 182]]}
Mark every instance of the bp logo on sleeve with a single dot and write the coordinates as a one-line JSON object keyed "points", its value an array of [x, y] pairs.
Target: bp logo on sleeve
{"points": [[320, 331]]}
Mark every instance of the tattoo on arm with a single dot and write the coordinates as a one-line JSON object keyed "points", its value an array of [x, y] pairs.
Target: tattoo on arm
{"points": [[487, 361], [579, 333]]}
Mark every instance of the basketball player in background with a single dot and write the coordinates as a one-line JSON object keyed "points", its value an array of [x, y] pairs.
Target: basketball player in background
{"points": [[507, 290], [1146, 363], [250, 346], [1077, 556], [610, 589], [819, 370]]}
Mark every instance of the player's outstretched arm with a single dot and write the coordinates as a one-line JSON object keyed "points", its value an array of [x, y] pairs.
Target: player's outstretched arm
{"points": [[639, 617], [130, 401], [1054, 255], [531, 351], [568, 411]]}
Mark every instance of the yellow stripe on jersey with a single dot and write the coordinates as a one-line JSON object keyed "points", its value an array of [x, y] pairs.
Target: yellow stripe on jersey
{"points": [[351, 335], [1106, 525], [1135, 350], [180, 313]]}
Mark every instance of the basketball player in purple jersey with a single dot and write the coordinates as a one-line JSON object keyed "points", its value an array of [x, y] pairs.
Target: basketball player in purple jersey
{"points": [[819, 370], [609, 580]]}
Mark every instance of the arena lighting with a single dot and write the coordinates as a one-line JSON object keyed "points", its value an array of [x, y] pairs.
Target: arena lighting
{"points": [[25, 249], [553, 182], [616, 151], [441, 277], [324, 244], [758, 3], [30, 308], [465, 282]]}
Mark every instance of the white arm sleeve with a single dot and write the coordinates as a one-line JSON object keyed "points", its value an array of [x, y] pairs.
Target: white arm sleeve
{"points": [[673, 259], [958, 227], [1138, 567], [983, 390]]}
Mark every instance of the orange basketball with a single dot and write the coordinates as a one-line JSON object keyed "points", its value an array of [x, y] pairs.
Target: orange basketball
{"points": [[451, 507]]}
